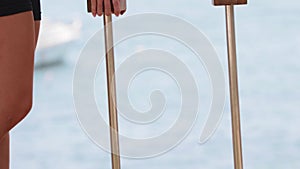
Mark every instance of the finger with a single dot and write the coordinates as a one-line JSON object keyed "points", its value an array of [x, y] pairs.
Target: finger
{"points": [[117, 9], [94, 7], [107, 7], [99, 7]]}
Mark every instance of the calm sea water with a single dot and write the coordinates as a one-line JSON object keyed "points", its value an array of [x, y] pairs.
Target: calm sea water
{"points": [[269, 69]]}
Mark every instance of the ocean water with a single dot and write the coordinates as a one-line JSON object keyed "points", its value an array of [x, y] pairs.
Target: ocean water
{"points": [[269, 68]]}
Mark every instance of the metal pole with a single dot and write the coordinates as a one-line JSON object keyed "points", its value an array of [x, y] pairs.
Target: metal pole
{"points": [[111, 87], [234, 91]]}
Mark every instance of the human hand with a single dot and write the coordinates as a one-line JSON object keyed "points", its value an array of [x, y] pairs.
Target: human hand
{"points": [[107, 7]]}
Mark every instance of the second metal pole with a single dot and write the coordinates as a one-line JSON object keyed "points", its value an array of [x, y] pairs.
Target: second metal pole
{"points": [[111, 87], [234, 91]]}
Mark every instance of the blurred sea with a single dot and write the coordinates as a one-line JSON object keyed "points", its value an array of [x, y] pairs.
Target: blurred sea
{"points": [[268, 59]]}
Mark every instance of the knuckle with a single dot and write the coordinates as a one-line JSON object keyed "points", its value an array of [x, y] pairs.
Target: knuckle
{"points": [[93, 7]]}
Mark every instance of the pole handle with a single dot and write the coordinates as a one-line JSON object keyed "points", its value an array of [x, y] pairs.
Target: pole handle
{"points": [[229, 2], [122, 5]]}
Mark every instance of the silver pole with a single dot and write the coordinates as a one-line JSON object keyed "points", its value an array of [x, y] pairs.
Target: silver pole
{"points": [[234, 91], [111, 87]]}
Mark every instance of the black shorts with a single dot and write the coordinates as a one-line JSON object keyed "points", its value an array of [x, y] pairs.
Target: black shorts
{"points": [[10, 7]]}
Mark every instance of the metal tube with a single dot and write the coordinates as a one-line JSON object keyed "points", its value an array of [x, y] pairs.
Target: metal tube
{"points": [[111, 87], [234, 91]]}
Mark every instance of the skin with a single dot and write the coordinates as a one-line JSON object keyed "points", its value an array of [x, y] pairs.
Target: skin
{"points": [[16, 74], [98, 6], [16, 68]]}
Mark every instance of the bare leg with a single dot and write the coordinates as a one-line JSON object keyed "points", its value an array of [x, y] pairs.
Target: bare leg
{"points": [[17, 44], [4, 152]]}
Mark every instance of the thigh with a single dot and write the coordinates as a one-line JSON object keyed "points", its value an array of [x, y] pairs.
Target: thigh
{"points": [[17, 43], [4, 152]]}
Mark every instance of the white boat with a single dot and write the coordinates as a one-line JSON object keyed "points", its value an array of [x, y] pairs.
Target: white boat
{"points": [[54, 40]]}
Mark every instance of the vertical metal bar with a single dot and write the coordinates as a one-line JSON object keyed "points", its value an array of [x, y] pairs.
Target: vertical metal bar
{"points": [[111, 87], [234, 91]]}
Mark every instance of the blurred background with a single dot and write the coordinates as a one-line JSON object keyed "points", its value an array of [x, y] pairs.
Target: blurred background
{"points": [[268, 59]]}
